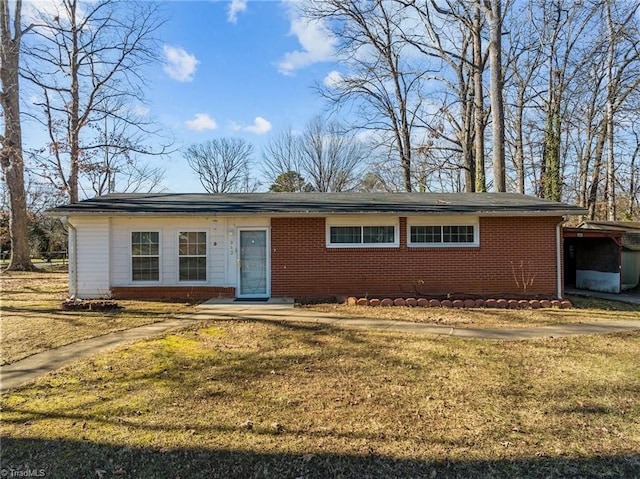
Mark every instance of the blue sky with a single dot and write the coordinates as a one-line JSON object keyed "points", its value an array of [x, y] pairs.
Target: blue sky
{"points": [[227, 68], [235, 68]]}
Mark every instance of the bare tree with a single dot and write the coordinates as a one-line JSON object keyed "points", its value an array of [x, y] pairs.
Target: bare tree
{"points": [[562, 31], [116, 167], [324, 157], [11, 158], [87, 61], [282, 156], [521, 70], [123, 175], [380, 82], [223, 165], [623, 79], [452, 35], [614, 63], [331, 158]]}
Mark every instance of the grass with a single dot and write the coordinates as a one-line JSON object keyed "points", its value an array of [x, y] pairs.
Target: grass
{"points": [[252, 399], [33, 321], [584, 310], [257, 399]]}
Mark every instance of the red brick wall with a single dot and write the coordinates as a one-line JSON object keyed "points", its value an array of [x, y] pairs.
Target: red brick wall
{"points": [[510, 248], [171, 292]]}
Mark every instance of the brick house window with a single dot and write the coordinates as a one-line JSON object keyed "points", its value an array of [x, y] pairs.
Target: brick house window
{"points": [[350, 235], [443, 235], [192, 254], [145, 256]]}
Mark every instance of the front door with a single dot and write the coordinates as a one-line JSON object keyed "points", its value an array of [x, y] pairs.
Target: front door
{"points": [[253, 264]]}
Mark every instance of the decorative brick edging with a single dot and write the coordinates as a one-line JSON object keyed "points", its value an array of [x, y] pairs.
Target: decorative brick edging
{"points": [[461, 304]]}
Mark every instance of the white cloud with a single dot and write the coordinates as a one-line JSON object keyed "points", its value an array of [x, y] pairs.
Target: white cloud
{"points": [[260, 126], [202, 122], [317, 42], [235, 7], [179, 64], [332, 79]]}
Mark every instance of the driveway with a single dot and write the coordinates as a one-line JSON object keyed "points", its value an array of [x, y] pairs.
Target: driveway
{"points": [[629, 297]]}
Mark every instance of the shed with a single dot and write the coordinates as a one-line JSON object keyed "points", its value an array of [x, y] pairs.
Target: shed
{"points": [[592, 259], [629, 262]]}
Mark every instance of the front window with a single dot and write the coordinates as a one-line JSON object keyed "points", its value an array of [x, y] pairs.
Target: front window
{"points": [[192, 252], [346, 234], [378, 234], [145, 256], [443, 235], [457, 234], [362, 236], [426, 234]]}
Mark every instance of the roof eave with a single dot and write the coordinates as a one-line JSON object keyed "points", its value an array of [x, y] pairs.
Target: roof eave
{"points": [[498, 213]]}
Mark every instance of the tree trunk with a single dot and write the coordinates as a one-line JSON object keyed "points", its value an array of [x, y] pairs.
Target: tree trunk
{"points": [[478, 98], [611, 184], [74, 109], [11, 154], [497, 102], [595, 177], [519, 141], [550, 174], [633, 194], [466, 142]]}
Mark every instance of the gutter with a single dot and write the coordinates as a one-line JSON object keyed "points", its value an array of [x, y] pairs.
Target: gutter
{"points": [[308, 213]]}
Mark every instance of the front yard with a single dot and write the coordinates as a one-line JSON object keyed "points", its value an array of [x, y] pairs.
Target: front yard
{"points": [[33, 321], [253, 399]]}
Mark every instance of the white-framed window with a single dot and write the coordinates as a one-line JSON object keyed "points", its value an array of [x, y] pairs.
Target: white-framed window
{"points": [[443, 232], [145, 256], [362, 232], [192, 256]]}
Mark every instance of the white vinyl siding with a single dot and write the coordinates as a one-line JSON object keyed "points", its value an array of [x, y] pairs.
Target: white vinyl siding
{"points": [[220, 239], [92, 242], [218, 253]]}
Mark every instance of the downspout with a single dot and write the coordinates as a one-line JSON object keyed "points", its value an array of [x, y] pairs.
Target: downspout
{"points": [[73, 260], [559, 256]]}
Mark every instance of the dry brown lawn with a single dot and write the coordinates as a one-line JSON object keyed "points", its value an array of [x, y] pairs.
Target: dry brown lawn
{"points": [[252, 399], [33, 321], [584, 310], [258, 399]]}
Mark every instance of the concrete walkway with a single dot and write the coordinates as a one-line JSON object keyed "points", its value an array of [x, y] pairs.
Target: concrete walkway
{"points": [[32, 367], [288, 315]]}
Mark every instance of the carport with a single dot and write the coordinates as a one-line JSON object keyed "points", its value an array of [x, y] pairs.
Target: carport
{"points": [[593, 259]]}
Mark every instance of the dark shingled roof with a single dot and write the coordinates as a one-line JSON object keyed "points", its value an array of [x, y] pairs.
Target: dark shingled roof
{"points": [[287, 204]]}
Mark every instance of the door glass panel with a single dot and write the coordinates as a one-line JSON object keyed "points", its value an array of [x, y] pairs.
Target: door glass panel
{"points": [[253, 263]]}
